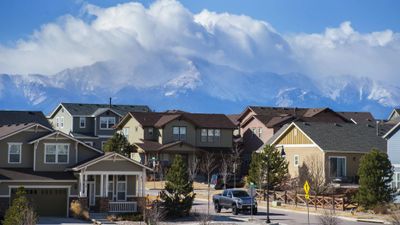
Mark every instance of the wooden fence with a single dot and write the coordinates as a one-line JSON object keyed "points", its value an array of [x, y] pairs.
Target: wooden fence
{"points": [[336, 202]]}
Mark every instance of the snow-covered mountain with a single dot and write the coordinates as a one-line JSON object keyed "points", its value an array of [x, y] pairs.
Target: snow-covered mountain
{"points": [[200, 87]]}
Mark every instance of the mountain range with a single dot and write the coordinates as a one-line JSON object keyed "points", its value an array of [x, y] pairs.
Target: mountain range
{"points": [[201, 87]]}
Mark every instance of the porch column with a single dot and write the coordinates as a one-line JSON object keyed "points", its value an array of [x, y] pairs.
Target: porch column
{"points": [[81, 184], [85, 184], [101, 185], [143, 180], [106, 194]]}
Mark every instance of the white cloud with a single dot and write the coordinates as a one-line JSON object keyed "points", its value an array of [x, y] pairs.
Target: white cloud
{"points": [[157, 45]]}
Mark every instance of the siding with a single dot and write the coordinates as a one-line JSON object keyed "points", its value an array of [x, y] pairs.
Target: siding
{"points": [[136, 131], [305, 155], [117, 165], [67, 121], [89, 129], [352, 162], [295, 136], [394, 148], [109, 132], [27, 149], [168, 136], [225, 141]]}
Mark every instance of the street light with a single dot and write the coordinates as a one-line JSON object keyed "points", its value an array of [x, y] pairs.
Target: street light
{"points": [[283, 154]]}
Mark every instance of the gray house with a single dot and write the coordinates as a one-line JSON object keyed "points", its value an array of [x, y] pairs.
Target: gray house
{"points": [[56, 168], [91, 123]]}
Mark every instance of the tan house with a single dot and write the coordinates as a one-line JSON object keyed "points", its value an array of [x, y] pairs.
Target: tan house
{"points": [[257, 124], [160, 136], [56, 168], [334, 147]]}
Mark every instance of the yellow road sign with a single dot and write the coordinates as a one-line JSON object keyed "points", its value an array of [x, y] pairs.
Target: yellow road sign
{"points": [[306, 188], [307, 196]]}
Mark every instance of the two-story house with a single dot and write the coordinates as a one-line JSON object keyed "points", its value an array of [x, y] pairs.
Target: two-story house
{"points": [[90, 123], [56, 168], [335, 149], [393, 146], [257, 124], [160, 136]]}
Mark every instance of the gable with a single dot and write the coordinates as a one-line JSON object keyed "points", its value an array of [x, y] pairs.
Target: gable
{"points": [[394, 115], [293, 136], [117, 164]]}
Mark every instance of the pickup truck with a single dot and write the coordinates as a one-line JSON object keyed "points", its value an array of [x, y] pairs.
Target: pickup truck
{"points": [[235, 199]]}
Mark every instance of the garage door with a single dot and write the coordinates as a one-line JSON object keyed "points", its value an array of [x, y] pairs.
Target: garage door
{"points": [[47, 201]]}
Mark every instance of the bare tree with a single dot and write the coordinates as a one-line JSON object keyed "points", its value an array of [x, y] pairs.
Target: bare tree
{"points": [[225, 167], [194, 168], [29, 216], [237, 151], [208, 165], [395, 218], [313, 171], [328, 218], [155, 214]]}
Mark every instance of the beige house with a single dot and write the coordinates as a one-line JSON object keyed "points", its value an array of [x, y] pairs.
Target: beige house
{"points": [[335, 148], [160, 136], [56, 168]]}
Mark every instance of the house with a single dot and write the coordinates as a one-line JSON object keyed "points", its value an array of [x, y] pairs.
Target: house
{"points": [[56, 168], [336, 148], [257, 124], [161, 135], [90, 123], [393, 145]]}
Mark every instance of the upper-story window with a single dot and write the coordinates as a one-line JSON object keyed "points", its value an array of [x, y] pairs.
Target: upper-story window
{"points": [[107, 123], [125, 132], [151, 131], [60, 121], [56, 153], [82, 122], [179, 133], [210, 135], [14, 152]]}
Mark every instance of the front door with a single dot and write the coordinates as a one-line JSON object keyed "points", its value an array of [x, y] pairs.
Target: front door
{"points": [[91, 193]]}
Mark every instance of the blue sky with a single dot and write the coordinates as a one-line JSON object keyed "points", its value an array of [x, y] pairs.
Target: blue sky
{"points": [[18, 18]]}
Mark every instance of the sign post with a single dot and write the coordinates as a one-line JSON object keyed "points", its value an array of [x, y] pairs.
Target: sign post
{"points": [[307, 196], [252, 186]]}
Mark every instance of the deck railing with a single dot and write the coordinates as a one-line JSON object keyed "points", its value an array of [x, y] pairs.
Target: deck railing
{"points": [[122, 207]]}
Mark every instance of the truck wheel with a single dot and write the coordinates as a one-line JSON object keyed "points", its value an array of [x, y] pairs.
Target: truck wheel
{"points": [[235, 210], [217, 207]]}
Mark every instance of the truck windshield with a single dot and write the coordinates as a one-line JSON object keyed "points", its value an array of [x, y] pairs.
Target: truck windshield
{"points": [[239, 194]]}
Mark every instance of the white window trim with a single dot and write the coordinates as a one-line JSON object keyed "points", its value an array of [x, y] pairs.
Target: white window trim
{"points": [[126, 188], [57, 121], [108, 124], [179, 133], [345, 164], [89, 143], [113, 188], [298, 160], [84, 123], [20, 152], [61, 122], [56, 162]]}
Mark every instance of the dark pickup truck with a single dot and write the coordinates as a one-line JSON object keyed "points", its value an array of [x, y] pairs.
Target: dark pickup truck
{"points": [[235, 199]]}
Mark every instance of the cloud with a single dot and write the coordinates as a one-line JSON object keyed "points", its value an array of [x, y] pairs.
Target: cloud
{"points": [[158, 45]]}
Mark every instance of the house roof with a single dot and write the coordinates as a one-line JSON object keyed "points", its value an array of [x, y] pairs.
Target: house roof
{"points": [[83, 109], [394, 111], [8, 130], [392, 131], [358, 117], [103, 157], [25, 174], [340, 137], [22, 117], [203, 120], [234, 118], [149, 146]]}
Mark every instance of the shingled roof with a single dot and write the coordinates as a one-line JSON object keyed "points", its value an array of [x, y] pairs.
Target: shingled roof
{"points": [[83, 109], [358, 117], [28, 174], [23, 117], [203, 120], [339, 137]]}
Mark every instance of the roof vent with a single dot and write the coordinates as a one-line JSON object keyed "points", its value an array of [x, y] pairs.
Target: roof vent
{"points": [[336, 125], [305, 123]]}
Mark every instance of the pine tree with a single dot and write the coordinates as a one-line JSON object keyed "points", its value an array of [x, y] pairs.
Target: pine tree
{"points": [[20, 211], [118, 143], [375, 172], [178, 195], [278, 167]]}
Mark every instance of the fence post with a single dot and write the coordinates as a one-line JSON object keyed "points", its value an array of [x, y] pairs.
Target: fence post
{"points": [[285, 197], [323, 201], [295, 198], [343, 207], [333, 202]]}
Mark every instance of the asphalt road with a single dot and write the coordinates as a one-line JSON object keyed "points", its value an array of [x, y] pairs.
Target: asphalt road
{"points": [[276, 215]]}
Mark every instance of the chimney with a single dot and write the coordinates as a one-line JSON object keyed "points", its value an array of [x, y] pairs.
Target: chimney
{"points": [[110, 103]]}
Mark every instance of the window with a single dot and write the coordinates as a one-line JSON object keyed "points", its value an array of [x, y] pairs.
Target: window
{"points": [[296, 160], [217, 135], [125, 132], [337, 166], [62, 122], [259, 132], [179, 133], [57, 121], [210, 135], [14, 152], [295, 132], [121, 188], [253, 132], [150, 131], [56, 153], [203, 135], [82, 122], [110, 193], [107, 123], [90, 143]]}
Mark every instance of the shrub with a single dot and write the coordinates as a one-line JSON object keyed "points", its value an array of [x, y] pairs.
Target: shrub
{"points": [[21, 211], [78, 211], [328, 218]]}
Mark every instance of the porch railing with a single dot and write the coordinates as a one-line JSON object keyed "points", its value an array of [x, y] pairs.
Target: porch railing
{"points": [[122, 207]]}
